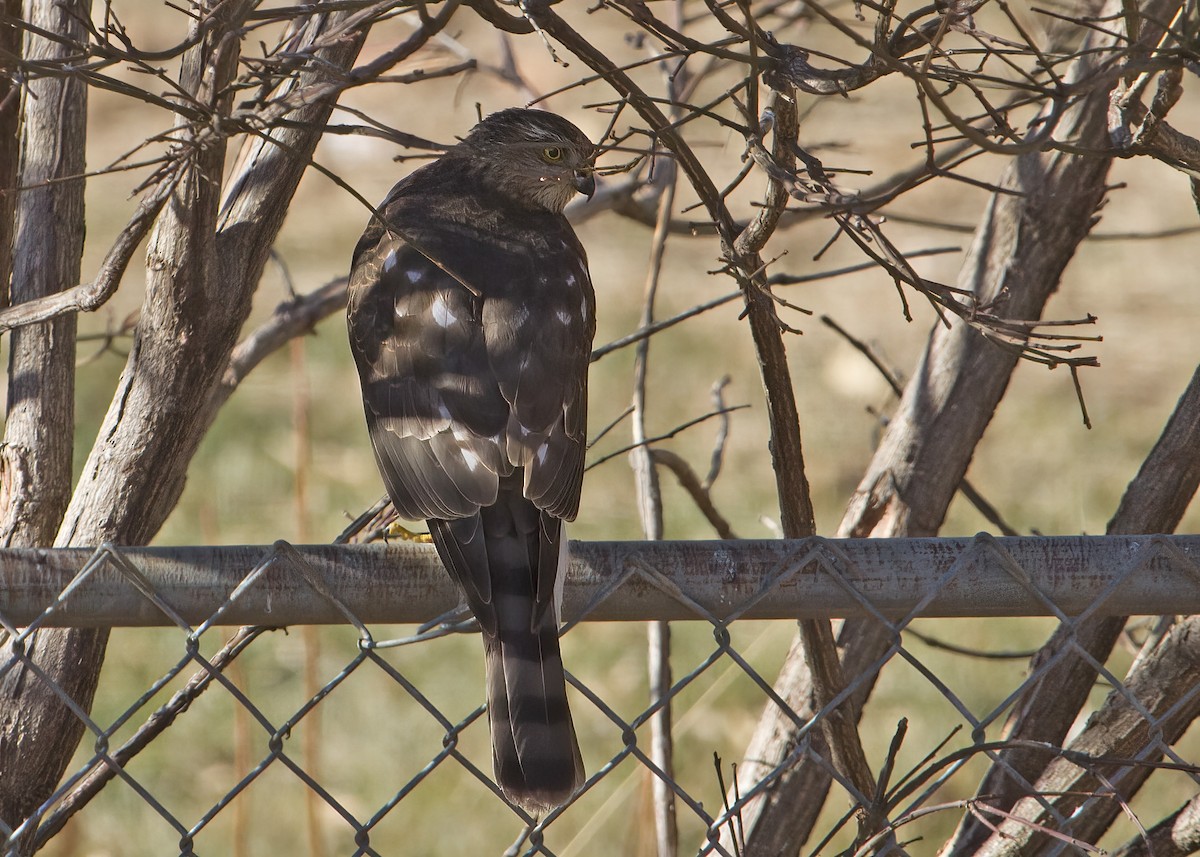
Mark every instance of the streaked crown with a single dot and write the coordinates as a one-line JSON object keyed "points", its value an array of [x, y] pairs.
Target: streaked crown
{"points": [[532, 155]]}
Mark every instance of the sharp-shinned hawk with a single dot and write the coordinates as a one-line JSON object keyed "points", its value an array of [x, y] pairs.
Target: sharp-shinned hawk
{"points": [[471, 318]]}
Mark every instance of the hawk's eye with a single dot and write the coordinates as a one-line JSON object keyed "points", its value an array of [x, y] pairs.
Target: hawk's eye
{"points": [[552, 153]]}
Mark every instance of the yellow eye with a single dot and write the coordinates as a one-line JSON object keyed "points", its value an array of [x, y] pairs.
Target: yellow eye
{"points": [[552, 153]]}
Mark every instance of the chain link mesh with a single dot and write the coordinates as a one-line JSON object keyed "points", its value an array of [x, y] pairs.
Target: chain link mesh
{"points": [[350, 740]]}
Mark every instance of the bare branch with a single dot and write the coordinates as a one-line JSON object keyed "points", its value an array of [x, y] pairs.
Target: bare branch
{"points": [[1157, 698], [1177, 835], [924, 453], [690, 483], [792, 485], [293, 318], [89, 297], [1065, 666]]}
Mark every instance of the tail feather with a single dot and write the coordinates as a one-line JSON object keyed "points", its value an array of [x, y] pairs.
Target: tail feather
{"points": [[508, 560], [534, 750]]}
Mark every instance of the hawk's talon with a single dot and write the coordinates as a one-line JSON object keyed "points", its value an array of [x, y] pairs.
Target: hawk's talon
{"points": [[396, 530]]}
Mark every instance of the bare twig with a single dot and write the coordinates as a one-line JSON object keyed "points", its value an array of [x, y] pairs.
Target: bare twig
{"points": [[89, 297]]}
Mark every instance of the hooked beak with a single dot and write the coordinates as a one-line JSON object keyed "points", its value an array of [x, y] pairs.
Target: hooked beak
{"points": [[585, 183]]}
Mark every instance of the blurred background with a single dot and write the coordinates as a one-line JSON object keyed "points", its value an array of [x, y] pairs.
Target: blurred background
{"points": [[1038, 464]]}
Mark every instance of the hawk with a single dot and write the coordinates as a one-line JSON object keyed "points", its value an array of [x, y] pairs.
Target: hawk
{"points": [[471, 317]]}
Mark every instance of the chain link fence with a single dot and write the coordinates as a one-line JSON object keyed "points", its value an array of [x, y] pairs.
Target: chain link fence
{"points": [[219, 733]]}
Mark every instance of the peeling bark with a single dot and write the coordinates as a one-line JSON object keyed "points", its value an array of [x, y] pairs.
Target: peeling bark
{"points": [[1020, 249], [204, 262], [35, 459]]}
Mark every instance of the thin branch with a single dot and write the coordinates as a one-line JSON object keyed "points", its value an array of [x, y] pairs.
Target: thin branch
{"points": [[292, 318], [667, 435], [89, 297], [690, 482]]}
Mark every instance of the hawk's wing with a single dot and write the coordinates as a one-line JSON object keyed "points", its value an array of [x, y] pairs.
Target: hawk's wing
{"points": [[472, 352]]}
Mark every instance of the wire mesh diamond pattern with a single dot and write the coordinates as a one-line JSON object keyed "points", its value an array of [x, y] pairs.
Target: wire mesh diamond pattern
{"points": [[369, 739]]}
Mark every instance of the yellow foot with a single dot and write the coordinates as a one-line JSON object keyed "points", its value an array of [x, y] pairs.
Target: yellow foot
{"points": [[396, 531]]}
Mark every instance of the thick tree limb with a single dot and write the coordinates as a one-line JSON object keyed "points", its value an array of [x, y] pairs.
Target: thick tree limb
{"points": [[89, 297], [291, 319], [10, 147], [187, 326], [1167, 481], [198, 296], [35, 460], [288, 106], [1154, 502], [1175, 836], [929, 442], [1162, 682]]}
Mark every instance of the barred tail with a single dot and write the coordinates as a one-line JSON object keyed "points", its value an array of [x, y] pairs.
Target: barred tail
{"points": [[534, 749], [507, 560]]}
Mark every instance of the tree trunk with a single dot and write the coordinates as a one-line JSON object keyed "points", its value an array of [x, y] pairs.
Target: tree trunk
{"points": [[35, 461], [205, 260], [1157, 701], [1021, 247], [10, 145], [1154, 502]]}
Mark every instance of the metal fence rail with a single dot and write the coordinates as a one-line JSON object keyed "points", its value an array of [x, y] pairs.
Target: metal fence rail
{"points": [[282, 584], [180, 700]]}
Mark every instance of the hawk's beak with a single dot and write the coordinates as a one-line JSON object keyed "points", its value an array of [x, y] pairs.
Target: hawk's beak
{"points": [[585, 183]]}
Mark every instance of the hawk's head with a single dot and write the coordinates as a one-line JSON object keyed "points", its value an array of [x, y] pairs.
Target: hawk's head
{"points": [[533, 155]]}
